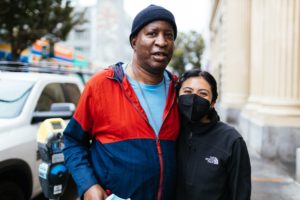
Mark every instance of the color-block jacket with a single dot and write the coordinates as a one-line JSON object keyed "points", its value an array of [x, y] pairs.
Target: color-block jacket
{"points": [[109, 140]]}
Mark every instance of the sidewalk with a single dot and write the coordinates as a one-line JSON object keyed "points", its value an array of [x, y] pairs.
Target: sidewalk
{"points": [[271, 180]]}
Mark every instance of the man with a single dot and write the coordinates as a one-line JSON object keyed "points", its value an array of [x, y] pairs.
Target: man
{"points": [[129, 113]]}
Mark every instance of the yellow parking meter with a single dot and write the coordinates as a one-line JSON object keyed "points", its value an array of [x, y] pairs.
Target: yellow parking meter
{"points": [[50, 127], [53, 174]]}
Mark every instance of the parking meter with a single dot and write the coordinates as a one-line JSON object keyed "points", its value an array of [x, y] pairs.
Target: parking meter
{"points": [[53, 174]]}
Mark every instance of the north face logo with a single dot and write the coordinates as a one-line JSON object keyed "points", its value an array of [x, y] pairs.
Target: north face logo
{"points": [[212, 160]]}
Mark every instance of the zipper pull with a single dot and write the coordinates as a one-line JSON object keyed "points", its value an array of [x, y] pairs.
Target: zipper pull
{"points": [[189, 140], [191, 135]]}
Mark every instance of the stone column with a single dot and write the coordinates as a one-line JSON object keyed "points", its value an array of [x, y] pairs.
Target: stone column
{"points": [[217, 42], [235, 72], [272, 116]]}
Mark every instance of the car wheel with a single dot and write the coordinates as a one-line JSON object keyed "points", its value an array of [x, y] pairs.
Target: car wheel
{"points": [[10, 191]]}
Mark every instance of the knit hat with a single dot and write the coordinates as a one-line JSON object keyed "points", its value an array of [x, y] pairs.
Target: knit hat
{"points": [[150, 14]]}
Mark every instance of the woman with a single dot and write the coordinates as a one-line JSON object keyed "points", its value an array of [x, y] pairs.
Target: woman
{"points": [[213, 160]]}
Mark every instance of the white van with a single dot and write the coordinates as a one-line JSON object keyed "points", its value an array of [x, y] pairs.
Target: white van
{"points": [[25, 101]]}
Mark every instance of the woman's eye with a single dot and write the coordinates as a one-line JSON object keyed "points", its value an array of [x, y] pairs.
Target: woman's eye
{"points": [[203, 94], [187, 92]]}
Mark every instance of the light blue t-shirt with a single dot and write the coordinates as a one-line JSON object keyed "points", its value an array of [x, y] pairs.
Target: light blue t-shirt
{"points": [[156, 96]]}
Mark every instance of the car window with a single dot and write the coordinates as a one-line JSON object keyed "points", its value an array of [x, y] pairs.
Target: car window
{"points": [[13, 95], [57, 93], [52, 93], [71, 92]]}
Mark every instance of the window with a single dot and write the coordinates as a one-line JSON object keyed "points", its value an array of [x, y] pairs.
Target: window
{"points": [[58, 93], [72, 93], [13, 95]]}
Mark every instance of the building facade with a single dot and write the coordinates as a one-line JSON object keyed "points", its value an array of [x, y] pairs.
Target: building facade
{"points": [[255, 56]]}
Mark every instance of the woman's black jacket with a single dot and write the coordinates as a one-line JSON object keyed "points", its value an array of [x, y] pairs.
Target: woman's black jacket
{"points": [[212, 163]]}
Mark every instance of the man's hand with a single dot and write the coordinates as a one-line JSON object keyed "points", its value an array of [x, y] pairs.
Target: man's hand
{"points": [[95, 192]]}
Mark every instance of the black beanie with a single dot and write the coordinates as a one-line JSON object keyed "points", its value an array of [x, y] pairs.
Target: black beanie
{"points": [[150, 14]]}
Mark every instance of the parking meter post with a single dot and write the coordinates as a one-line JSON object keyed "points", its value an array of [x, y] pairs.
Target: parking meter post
{"points": [[53, 174]]}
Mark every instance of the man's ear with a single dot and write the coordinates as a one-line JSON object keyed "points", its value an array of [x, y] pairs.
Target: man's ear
{"points": [[133, 42]]}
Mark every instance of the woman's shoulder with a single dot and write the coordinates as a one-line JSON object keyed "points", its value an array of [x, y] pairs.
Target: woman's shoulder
{"points": [[227, 130]]}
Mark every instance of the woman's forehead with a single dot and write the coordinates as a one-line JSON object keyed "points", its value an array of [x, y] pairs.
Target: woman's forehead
{"points": [[196, 83]]}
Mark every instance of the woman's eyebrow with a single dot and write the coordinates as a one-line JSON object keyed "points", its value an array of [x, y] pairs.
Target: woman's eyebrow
{"points": [[202, 89], [187, 88]]}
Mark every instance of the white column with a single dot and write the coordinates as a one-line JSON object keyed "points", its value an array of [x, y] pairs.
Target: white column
{"points": [[276, 87], [237, 54]]}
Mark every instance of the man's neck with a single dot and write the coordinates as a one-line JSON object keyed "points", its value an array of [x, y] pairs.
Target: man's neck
{"points": [[139, 74]]}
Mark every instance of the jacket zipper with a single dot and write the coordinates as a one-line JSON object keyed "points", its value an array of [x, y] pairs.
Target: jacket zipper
{"points": [[191, 135], [160, 156], [159, 192], [189, 140], [158, 146], [136, 107]]}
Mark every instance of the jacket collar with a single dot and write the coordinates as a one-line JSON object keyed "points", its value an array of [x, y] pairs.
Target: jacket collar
{"points": [[203, 128], [117, 73]]}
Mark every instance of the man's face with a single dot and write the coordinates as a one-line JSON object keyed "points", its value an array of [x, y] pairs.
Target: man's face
{"points": [[153, 46]]}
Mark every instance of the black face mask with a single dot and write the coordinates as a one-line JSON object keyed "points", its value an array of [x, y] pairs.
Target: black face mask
{"points": [[193, 107]]}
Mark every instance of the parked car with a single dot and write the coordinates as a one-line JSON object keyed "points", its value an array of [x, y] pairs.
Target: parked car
{"points": [[26, 99]]}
